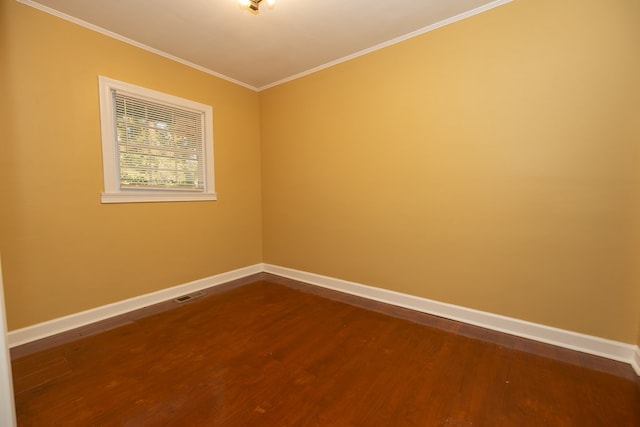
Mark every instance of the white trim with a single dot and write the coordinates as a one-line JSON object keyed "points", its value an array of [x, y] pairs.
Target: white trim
{"points": [[127, 40], [7, 403], [83, 318], [636, 361], [572, 340], [110, 163], [391, 42], [609, 349], [396, 40], [133, 196]]}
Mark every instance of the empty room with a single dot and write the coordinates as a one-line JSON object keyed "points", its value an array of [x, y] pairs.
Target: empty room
{"points": [[320, 213]]}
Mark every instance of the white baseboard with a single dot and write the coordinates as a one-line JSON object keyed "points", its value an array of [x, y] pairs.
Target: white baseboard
{"points": [[572, 340], [83, 318], [636, 361]]}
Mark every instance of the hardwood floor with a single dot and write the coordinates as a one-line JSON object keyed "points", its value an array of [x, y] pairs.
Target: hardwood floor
{"points": [[280, 353]]}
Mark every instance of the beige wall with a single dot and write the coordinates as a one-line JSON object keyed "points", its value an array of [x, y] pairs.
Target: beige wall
{"points": [[63, 251], [489, 164]]}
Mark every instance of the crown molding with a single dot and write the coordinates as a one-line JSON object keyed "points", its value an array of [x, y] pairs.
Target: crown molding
{"points": [[161, 53], [131, 42]]}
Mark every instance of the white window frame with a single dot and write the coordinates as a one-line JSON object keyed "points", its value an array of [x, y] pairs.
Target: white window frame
{"points": [[110, 157]]}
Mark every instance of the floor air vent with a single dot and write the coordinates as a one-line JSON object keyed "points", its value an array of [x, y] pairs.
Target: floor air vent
{"points": [[189, 297]]}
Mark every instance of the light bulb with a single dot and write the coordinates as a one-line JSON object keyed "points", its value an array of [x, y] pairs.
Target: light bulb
{"points": [[270, 3]]}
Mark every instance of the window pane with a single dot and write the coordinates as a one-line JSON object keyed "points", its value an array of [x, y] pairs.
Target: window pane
{"points": [[160, 146]]}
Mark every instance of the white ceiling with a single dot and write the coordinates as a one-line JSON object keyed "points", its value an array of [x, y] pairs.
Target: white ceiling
{"points": [[258, 51]]}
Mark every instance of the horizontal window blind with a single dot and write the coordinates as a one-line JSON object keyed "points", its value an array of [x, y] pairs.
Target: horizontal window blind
{"points": [[160, 146]]}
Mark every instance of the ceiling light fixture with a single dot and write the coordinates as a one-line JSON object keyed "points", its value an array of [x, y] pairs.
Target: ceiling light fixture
{"points": [[254, 5]]}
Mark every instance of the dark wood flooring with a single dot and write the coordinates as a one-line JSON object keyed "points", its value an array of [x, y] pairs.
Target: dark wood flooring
{"points": [[279, 353]]}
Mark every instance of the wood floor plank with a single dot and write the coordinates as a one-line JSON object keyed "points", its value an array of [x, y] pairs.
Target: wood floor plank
{"points": [[265, 354], [39, 370]]}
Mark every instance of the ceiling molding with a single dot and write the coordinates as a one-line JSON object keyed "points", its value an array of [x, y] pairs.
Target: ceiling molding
{"points": [[391, 42], [182, 61], [127, 40]]}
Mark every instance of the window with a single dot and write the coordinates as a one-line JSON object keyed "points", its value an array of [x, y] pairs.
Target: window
{"points": [[155, 147]]}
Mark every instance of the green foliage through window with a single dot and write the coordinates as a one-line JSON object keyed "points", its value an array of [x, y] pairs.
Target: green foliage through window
{"points": [[159, 146]]}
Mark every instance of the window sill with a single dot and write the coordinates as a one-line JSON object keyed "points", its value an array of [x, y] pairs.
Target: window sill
{"points": [[138, 197]]}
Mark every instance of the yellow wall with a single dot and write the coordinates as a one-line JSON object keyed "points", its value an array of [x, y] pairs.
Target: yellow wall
{"points": [[488, 164], [62, 250], [491, 164]]}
